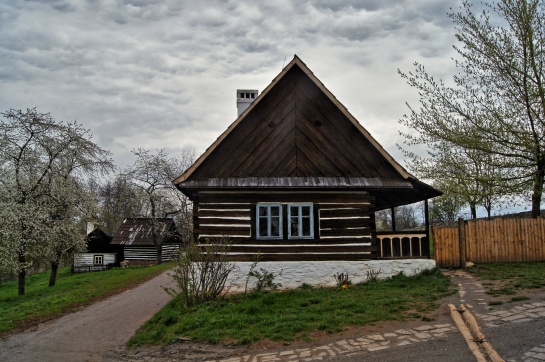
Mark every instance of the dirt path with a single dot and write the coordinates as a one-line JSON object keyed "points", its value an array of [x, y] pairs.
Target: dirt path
{"points": [[97, 333]]}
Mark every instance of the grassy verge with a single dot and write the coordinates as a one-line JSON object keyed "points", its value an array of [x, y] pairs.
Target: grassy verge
{"points": [[294, 314], [72, 291], [510, 281]]}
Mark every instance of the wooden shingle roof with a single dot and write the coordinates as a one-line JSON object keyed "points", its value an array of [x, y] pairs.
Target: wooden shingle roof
{"points": [[138, 232]]}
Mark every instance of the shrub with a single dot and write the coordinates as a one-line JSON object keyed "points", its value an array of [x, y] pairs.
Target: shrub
{"points": [[202, 271]]}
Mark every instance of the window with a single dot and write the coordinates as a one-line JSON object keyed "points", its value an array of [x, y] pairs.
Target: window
{"points": [[98, 259], [269, 221], [301, 221]]}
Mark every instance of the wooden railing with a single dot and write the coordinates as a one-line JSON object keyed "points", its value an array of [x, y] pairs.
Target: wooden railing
{"points": [[402, 244]]}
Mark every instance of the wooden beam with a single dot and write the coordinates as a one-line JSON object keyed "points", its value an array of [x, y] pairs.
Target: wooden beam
{"points": [[393, 214]]}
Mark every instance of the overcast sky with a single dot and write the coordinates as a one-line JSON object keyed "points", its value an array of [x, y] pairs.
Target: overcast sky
{"points": [[164, 73]]}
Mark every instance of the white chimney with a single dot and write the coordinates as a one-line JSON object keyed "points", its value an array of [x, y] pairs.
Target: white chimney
{"points": [[244, 98]]}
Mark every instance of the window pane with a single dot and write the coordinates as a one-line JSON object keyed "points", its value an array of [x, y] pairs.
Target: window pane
{"points": [[294, 210], [275, 226], [263, 232], [305, 211], [306, 226], [262, 210], [275, 210], [294, 225]]}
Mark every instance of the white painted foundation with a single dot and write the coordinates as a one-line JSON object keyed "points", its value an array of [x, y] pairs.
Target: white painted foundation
{"points": [[321, 273]]}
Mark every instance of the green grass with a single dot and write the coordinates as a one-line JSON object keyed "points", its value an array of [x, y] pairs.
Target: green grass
{"points": [[293, 314], [510, 278], [71, 291]]}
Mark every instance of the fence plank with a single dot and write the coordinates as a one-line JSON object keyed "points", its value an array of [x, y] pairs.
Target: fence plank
{"points": [[496, 240]]}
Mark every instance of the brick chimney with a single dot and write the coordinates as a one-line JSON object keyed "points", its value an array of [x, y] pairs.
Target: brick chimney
{"points": [[244, 98]]}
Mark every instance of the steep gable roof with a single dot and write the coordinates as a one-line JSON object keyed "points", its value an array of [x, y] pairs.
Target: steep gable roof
{"points": [[297, 134], [295, 128]]}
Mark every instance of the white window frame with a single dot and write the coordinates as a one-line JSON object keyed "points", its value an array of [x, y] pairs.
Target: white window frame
{"points": [[258, 220], [98, 257], [299, 222]]}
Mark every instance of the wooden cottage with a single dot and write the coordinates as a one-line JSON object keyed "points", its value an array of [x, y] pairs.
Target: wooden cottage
{"points": [[135, 236], [297, 178], [100, 255]]}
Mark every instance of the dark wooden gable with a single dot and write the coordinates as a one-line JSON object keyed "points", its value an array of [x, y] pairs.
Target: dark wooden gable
{"points": [[295, 130]]}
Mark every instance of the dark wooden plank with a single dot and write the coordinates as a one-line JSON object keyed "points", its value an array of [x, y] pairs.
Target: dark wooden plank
{"points": [[347, 240], [327, 149], [407, 232], [287, 166], [331, 249], [342, 132], [320, 242], [345, 223], [307, 168], [223, 213], [278, 108], [302, 257], [345, 232], [235, 148], [354, 199], [204, 229], [216, 206], [311, 159], [354, 212], [223, 221]]}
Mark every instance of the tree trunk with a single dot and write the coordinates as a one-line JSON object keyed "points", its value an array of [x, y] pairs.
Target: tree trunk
{"points": [[159, 254], [53, 276], [539, 180], [22, 273], [473, 211]]}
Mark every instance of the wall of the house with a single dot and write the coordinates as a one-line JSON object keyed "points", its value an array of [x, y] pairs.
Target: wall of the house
{"points": [[344, 225], [315, 273], [149, 254], [84, 262]]}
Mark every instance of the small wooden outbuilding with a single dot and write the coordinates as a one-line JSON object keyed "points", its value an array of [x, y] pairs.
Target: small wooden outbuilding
{"points": [[100, 255], [135, 236]]}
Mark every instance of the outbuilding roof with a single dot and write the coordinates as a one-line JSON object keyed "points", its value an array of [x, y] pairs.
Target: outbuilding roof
{"points": [[138, 232]]}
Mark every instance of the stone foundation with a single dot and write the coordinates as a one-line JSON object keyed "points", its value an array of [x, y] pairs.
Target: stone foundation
{"points": [[321, 273]]}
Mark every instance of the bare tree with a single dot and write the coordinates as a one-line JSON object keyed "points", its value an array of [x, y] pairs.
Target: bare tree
{"points": [[37, 155], [152, 174], [118, 199]]}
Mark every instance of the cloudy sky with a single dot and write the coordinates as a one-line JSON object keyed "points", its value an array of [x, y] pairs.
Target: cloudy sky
{"points": [[164, 73]]}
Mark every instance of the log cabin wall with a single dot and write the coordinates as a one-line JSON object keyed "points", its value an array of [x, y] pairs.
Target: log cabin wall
{"points": [[343, 225]]}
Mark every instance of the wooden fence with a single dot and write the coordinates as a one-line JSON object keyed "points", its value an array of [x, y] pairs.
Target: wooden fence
{"points": [[487, 241]]}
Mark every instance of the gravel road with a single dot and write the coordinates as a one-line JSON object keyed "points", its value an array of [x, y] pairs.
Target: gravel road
{"points": [[96, 333]]}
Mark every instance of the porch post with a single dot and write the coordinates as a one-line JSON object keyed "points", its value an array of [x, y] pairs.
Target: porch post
{"points": [[427, 224], [393, 214]]}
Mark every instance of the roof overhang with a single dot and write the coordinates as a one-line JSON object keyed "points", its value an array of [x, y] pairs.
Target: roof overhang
{"points": [[388, 192]]}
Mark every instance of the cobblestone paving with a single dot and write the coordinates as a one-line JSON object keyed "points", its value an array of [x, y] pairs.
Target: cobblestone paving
{"points": [[535, 355], [519, 314], [371, 343]]}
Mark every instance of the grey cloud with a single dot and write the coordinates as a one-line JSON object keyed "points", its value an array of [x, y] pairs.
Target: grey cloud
{"points": [[141, 71]]}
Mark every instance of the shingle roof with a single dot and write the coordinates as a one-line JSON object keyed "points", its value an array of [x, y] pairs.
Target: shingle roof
{"points": [[138, 232]]}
